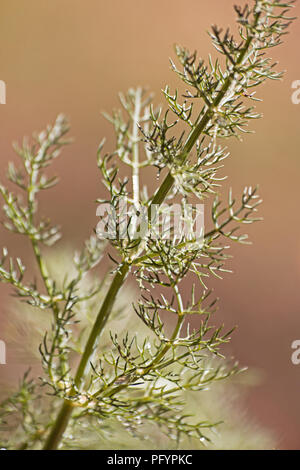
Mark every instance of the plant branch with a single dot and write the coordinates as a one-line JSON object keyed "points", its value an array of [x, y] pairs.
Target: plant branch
{"points": [[66, 410]]}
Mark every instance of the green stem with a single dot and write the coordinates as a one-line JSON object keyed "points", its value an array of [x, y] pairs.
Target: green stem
{"points": [[64, 415], [59, 426], [100, 322]]}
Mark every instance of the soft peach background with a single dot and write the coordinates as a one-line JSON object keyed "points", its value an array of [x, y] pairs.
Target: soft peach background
{"points": [[73, 57]]}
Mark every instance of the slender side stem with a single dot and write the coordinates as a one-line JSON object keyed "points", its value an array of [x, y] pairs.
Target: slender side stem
{"points": [[42, 266], [31, 199], [66, 410], [176, 331], [135, 149], [155, 363]]}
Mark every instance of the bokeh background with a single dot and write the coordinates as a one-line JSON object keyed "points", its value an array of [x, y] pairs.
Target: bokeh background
{"points": [[74, 57]]}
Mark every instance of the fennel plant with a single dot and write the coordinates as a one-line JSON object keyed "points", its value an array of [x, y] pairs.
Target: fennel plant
{"points": [[139, 378]]}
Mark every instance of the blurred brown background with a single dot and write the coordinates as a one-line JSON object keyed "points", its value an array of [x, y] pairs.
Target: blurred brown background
{"points": [[74, 57]]}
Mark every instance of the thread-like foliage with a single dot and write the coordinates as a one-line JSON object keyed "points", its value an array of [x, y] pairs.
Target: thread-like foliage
{"points": [[136, 378]]}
